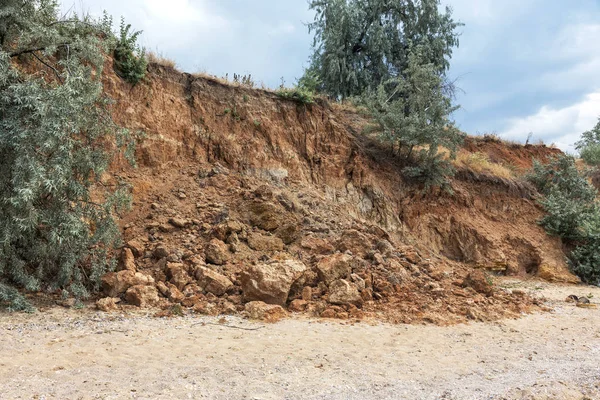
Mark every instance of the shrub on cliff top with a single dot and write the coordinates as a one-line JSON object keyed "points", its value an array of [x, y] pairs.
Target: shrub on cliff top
{"points": [[130, 59], [55, 132]]}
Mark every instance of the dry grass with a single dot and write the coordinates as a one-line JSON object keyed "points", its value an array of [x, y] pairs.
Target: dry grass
{"points": [[227, 82], [481, 164], [158, 58]]}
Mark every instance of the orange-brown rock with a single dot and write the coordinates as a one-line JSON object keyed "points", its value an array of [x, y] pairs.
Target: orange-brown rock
{"points": [[264, 312], [216, 252], [333, 267], [478, 281], [107, 304], [142, 296], [212, 281], [259, 242], [116, 283], [342, 292], [271, 282]]}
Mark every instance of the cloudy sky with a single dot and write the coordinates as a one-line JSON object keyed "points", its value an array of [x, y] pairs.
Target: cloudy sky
{"points": [[523, 65]]}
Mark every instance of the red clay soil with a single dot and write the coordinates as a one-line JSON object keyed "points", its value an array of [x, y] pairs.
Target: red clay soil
{"points": [[519, 156], [235, 183]]}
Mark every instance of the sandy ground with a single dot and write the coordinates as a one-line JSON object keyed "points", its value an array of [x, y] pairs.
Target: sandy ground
{"points": [[83, 354]]}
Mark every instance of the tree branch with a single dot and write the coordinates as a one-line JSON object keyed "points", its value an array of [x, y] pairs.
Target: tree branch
{"points": [[27, 51], [49, 66]]}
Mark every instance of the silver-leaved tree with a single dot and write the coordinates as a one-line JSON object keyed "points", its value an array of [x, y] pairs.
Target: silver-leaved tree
{"points": [[392, 56], [57, 139]]}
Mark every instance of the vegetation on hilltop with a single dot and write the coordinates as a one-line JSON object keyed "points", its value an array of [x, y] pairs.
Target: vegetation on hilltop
{"points": [[392, 57]]}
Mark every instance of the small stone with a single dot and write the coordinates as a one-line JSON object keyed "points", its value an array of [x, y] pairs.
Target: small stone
{"points": [[307, 293], [206, 308], [378, 259], [328, 313], [477, 280], [212, 281], [355, 242], [264, 312], [358, 281], [178, 222], [216, 252], [166, 228], [162, 288], [317, 245], [178, 275], [182, 195], [343, 292], [116, 283], [68, 303], [142, 296], [137, 247], [190, 301], [161, 251], [272, 282], [298, 305], [228, 308], [288, 233], [174, 294], [128, 260], [107, 304], [336, 266], [259, 242]]}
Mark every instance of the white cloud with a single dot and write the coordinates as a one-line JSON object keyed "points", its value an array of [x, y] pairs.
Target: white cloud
{"points": [[561, 126], [581, 40], [489, 12], [283, 28]]}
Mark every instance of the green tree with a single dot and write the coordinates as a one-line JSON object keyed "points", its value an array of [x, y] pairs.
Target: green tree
{"points": [[589, 146], [360, 44], [572, 212], [57, 224], [413, 114]]}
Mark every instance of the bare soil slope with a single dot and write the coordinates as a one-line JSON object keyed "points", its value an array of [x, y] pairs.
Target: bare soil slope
{"points": [[236, 185]]}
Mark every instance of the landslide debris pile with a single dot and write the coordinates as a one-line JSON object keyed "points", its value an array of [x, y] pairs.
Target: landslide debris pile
{"points": [[215, 242]]}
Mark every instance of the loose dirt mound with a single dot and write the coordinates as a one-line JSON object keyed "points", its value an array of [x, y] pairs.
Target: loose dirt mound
{"points": [[214, 239], [245, 202]]}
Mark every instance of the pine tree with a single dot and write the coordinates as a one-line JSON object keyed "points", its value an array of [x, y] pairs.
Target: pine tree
{"points": [[57, 224]]}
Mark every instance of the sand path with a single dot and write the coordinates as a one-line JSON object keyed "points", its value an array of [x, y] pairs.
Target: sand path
{"points": [[83, 354]]}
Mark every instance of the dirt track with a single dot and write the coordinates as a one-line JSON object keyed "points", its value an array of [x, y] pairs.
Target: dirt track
{"points": [[65, 354]]}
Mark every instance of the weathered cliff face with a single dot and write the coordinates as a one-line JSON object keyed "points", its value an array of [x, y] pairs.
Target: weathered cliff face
{"points": [[302, 183], [487, 222]]}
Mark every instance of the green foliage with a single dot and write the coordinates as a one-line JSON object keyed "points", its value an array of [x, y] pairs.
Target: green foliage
{"points": [[233, 112], [130, 60], [245, 80], [56, 142], [585, 258], [392, 56], [297, 94], [589, 146], [310, 81], [572, 212], [413, 112], [359, 44]]}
